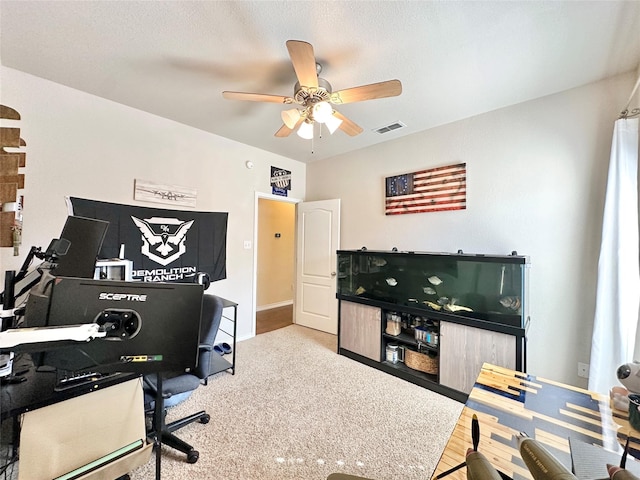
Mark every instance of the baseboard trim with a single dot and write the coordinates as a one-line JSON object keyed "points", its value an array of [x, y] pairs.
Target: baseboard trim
{"points": [[274, 305]]}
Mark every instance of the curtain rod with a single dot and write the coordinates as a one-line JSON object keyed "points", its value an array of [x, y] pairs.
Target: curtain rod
{"points": [[636, 111]]}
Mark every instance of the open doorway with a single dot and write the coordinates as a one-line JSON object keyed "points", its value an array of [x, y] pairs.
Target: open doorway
{"points": [[275, 264]]}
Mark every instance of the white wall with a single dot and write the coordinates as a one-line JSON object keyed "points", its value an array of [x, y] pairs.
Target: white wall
{"points": [[85, 146], [536, 174]]}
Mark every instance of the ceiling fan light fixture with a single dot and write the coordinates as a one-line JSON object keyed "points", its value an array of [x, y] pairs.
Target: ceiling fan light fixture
{"points": [[306, 130], [333, 123], [314, 96], [290, 117], [322, 111]]}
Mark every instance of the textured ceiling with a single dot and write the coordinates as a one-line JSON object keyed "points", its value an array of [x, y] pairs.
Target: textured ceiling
{"points": [[454, 59]]}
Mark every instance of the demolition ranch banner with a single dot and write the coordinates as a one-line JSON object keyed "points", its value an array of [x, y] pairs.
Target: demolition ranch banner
{"points": [[164, 245]]}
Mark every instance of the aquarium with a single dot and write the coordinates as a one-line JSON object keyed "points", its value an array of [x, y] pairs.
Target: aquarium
{"points": [[483, 287]]}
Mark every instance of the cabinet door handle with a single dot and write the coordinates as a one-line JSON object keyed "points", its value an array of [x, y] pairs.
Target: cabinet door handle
{"points": [[333, 274]]}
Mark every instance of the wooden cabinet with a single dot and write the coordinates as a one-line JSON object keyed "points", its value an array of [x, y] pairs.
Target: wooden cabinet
{"points": [[464, 349], [360, 329], [458, 346]]}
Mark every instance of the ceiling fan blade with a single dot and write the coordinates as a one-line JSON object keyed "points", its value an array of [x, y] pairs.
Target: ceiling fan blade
{"points": [[347, 126], [256, 97], [304, 62], [390, 88], [286, 131]]}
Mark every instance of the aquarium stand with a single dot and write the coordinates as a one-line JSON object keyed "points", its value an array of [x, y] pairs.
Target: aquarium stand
{"points": [[433, 318]]}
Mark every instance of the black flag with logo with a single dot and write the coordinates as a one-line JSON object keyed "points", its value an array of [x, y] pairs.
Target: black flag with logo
{"points": [[164, 245]]}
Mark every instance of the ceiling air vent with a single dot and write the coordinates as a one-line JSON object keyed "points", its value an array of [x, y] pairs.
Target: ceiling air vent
{"points": [[390, 127]]}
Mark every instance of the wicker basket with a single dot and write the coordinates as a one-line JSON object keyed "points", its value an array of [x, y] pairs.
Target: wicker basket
{"points": [[421, 361]]}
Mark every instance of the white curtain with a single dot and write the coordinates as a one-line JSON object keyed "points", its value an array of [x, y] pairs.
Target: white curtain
{"points": [[618, 288]]}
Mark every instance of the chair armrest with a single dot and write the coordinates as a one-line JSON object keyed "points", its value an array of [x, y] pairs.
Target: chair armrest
{"points": [[206, 347]]}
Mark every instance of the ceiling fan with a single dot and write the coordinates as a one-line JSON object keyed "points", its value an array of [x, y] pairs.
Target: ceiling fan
{"points": [[314, 97]]}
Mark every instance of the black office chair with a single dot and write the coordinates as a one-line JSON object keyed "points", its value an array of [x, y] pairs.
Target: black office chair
{"points": [[176, 388]]}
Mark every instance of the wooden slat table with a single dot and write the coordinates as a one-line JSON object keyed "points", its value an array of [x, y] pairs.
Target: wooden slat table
{"points": [[507, 402]]}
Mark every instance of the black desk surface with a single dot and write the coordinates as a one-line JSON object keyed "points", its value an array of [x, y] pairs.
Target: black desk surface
{"points": [[37, 390]]}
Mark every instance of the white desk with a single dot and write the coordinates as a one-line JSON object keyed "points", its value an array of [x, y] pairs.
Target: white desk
{"points": [[61, 437]]}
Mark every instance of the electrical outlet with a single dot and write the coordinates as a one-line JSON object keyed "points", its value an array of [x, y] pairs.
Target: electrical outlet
{"points": [[583, 370]]}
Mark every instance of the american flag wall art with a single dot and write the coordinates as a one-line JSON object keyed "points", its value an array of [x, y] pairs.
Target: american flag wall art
{"points": [[432, 190]]}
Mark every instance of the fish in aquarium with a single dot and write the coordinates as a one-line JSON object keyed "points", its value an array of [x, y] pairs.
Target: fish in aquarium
{"points": [[429, 290], [392, 282], [434, 280], [378, 261], [452, 307], [433, 305], [510, 302]]}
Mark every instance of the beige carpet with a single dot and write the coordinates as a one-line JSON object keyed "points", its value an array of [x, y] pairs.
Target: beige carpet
{"points": [[295, 409]]}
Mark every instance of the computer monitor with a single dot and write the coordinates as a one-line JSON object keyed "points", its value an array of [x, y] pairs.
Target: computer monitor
{"points": [[85, 236], [157, 325], [24, 280]]}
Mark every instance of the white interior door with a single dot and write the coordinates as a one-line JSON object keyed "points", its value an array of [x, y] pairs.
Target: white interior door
{"points": [[318, 238]]}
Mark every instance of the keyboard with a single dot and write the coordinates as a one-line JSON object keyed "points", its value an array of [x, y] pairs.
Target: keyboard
{"points": [[66, 379]]}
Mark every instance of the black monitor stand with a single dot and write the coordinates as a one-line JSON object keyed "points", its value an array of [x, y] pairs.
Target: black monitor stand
{"points": [[159, 413], [7, 320]]}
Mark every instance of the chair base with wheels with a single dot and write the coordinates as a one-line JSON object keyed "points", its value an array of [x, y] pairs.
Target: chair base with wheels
{"points": [[183, 385], [171, 440]]}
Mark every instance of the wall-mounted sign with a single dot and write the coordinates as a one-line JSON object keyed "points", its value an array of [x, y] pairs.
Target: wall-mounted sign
{"points": [[163, 193], [433, 190], [280, 181]]}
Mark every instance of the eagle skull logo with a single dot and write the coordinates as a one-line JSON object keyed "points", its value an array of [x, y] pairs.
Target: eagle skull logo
{"points": [[163, 238]]}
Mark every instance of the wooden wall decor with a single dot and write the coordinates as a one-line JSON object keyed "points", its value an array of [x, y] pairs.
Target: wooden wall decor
{"points": [[11, 181], [433, 190]]}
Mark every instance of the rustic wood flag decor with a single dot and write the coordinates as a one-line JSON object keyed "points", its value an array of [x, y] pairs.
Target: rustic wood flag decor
{"points": [[11, 180], [432, 190]]}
